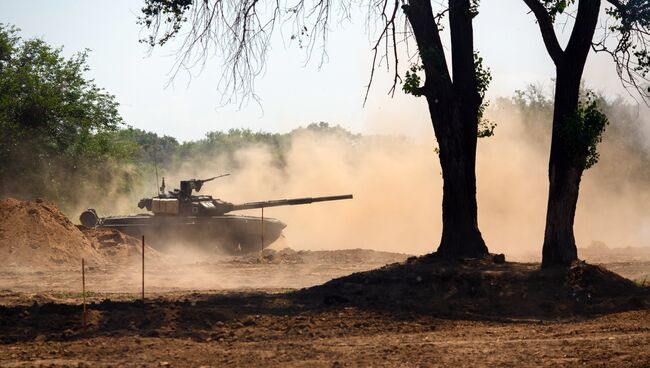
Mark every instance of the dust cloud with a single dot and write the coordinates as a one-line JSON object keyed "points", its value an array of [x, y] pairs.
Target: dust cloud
{"points": [[395, 183], [512, 185], [397, 188]]}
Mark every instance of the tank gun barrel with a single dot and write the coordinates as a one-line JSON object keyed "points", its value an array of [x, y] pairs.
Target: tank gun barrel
{"points": [[187, 186], [288, 202], [212, 178]]}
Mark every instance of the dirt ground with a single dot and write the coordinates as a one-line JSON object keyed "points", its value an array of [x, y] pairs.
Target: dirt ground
{"points": [[350, 337], [247, 311]]}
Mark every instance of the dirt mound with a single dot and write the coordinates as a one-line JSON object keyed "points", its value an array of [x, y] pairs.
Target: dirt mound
{"points": [[36, 234], [118, 247], [484, 288]]}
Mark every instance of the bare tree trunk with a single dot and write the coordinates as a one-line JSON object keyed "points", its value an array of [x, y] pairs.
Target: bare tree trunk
{"points": [[559, 242], [461, 236], [565, 172]]}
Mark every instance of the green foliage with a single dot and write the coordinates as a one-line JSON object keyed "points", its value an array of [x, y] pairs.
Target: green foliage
{"points": [[644, 282], [412, 86], [172, 12], [412, 81], [483, 79], [483, 75], [625, 155], [632, 14], [55, 124], [170, 155], [533, 100], [633, 27], [535, 107], [149, 146], [226, 144], [473, 7], [486, 128], [583, 131], [555, 7]]}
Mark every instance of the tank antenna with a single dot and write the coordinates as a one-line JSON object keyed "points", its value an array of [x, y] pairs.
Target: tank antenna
{"points": [[155, 165]]}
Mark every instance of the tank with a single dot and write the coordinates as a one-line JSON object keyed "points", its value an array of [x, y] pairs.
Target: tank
{"points": [[181, 217]]}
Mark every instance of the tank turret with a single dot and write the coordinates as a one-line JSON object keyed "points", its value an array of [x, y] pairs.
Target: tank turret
{"points": [[183, 201]]}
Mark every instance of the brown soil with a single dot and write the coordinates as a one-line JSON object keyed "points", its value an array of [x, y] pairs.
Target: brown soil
{"points": [[343, 338], [339, 257], [117, 247], [270, 256], [38, 235]]}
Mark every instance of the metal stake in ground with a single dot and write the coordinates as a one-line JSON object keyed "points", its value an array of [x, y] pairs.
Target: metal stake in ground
{"points": [[142, 269], [262, 250], [83, 293]]}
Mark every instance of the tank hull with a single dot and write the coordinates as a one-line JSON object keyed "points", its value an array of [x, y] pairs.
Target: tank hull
{"points": [[230, 234]]}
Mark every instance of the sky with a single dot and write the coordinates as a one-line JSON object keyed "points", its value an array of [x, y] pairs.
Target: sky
{"points": [[293, 92]]}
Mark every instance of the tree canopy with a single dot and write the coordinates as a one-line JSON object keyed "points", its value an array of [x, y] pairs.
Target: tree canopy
{"points": [[54, 121]]}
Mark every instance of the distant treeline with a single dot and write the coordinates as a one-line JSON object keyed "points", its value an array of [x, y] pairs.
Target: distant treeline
{"points": [[62, 138], [167, 153]]}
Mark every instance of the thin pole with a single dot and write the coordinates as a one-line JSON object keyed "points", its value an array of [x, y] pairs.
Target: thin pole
{"points": [[155, 165], [83, 293], [142, 268], [262, 251]]}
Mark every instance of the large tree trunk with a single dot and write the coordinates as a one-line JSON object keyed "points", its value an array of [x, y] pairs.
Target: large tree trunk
{"points": [[461, 236], [559, 242], [456, 136], [564, 174]]}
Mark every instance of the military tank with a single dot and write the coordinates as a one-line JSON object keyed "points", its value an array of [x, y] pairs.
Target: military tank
{"points": [[181, 217]]}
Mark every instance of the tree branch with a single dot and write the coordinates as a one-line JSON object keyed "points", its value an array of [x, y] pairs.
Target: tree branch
{"points": [[462, 50], [631, 53], [432, 53], [546, 27], [617, 4], [387, 32], [583, 30]]}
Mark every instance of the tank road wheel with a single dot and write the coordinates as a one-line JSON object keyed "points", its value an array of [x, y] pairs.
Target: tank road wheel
{"points": [[230, 247], [89, 218]]}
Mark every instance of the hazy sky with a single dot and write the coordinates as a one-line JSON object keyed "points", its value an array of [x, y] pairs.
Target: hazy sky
{"points": [[292, 94]]}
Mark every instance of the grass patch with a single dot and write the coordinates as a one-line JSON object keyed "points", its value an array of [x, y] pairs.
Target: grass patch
{"points": [[644, 282]]}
